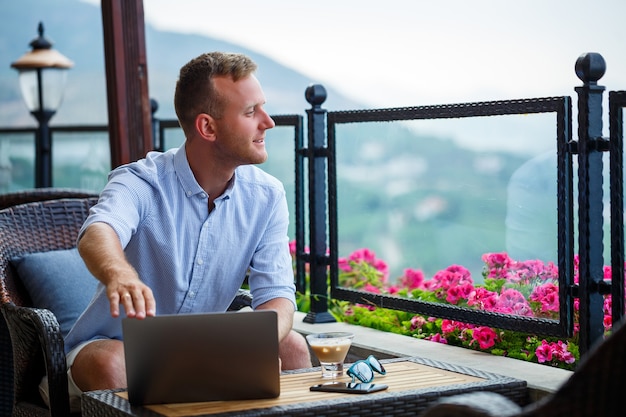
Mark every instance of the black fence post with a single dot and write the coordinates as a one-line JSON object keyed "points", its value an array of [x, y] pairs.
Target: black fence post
{"points": [[318, 236], [157, 143], [617, 102], [590, 67]]}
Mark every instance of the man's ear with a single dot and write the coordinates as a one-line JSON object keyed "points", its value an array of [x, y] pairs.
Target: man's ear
{"points": [[205, 126]]}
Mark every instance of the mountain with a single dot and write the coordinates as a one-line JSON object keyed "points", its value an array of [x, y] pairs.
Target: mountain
{"points": [[75, 29]]}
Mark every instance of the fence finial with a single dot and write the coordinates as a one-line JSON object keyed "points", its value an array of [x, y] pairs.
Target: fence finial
{"points": [[315, 94], [590, 67]]}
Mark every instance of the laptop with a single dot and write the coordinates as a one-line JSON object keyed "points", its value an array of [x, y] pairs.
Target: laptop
{"points": [[202, 357]]}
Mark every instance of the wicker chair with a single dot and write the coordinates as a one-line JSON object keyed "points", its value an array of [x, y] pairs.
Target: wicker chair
{"points": [[6, 353], [41, 194], [31, 342], [31, 338], [595, 389]]}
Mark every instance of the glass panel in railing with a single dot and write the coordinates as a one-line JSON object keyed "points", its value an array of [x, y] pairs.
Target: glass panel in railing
{"points": [[17, 161], [81, 159], [457, 211], [280, 146]]}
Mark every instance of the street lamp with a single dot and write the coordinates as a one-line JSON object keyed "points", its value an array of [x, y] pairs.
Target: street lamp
{"points": [[42, 75]]}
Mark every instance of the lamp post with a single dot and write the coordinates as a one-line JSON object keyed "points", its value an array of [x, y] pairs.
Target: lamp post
{"points": [[42, 76]]}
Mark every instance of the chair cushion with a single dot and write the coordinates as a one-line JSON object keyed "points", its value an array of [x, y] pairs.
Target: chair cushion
{"points": [[58, 281]]}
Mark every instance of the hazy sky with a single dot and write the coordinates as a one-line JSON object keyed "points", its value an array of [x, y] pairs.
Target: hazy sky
{"points": [[396, 53], [413, 52]]}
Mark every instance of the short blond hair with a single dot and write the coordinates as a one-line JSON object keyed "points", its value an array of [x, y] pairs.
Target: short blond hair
{"points": [[195, 92]]}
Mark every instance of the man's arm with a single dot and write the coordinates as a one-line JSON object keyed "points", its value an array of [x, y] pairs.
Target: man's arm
{"points": [[285, 310], [104, 256]]}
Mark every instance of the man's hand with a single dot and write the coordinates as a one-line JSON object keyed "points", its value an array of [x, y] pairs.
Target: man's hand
{"points": [[133, 295], [102, 252]]}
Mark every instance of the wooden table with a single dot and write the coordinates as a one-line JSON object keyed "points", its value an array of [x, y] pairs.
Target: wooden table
{"points": [[414, 383]]}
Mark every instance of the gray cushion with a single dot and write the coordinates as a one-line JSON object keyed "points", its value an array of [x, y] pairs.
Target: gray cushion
{"points": [[58, 281]]}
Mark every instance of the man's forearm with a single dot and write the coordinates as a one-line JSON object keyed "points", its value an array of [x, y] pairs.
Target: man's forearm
{"points": [[102, 252], [284, 309]]}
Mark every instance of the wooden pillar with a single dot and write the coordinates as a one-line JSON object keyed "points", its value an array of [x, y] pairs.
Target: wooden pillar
{"points": [[130, 129]]}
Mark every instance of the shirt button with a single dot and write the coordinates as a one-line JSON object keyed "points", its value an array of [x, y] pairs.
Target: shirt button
{"points": [[192, 294], [200, 261], [203, 195], [189, 193]]}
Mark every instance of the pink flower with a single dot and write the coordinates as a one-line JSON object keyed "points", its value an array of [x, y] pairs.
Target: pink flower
{"points": [[608, 305], [544, 352], [482, 299], [417, 322], [437, 338], [450, 277], [393, 290], [548, 295], [368, 256], [497, 264], [513, 302], [448, 326], [554, 351], [412, 278], [382, 267], [365, 255], [463, 272], [371, 288], [485, 336], [292, 248], [344, 265], [527, 272], [567, 357], [459, 292]]}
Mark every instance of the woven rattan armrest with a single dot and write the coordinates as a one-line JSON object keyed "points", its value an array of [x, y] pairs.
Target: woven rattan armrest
{"points": [[42, 194], [474, 404], [36, 333]]}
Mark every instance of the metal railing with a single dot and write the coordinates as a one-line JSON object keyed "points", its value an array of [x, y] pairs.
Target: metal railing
{"points": [[588, 150]]}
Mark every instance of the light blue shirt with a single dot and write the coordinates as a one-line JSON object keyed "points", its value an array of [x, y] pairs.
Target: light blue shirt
{"points": [[194, 261]]}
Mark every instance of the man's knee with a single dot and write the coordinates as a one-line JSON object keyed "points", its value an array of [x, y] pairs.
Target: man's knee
{"points": [[100, 365]]}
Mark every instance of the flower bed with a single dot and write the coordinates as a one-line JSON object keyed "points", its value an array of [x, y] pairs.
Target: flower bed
{"points": [[527, 288]]}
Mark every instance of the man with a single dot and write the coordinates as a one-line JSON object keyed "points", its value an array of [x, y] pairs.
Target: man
{"points": [[177, 231]]}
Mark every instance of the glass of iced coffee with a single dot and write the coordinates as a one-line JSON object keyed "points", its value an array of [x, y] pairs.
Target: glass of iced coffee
{"points": [[330, 349]]}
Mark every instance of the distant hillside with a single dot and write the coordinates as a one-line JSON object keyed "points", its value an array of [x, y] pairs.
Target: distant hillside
{"points": [[75, 28]]}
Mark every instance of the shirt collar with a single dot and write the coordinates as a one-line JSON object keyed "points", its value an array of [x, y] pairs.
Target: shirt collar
{"points": [[188, 181]]}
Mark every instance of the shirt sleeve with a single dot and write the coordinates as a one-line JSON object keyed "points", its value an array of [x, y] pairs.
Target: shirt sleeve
{"points": [[271, 270], [121, 204]]}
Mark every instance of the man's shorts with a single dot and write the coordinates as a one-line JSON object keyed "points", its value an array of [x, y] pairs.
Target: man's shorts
{"points": [[74, 392]]}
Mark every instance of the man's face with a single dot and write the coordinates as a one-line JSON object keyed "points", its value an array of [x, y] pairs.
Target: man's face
{"points": [[240, 132]]}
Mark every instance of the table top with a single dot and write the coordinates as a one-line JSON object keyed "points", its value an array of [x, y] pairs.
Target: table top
{"points": [[413, 383]]}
